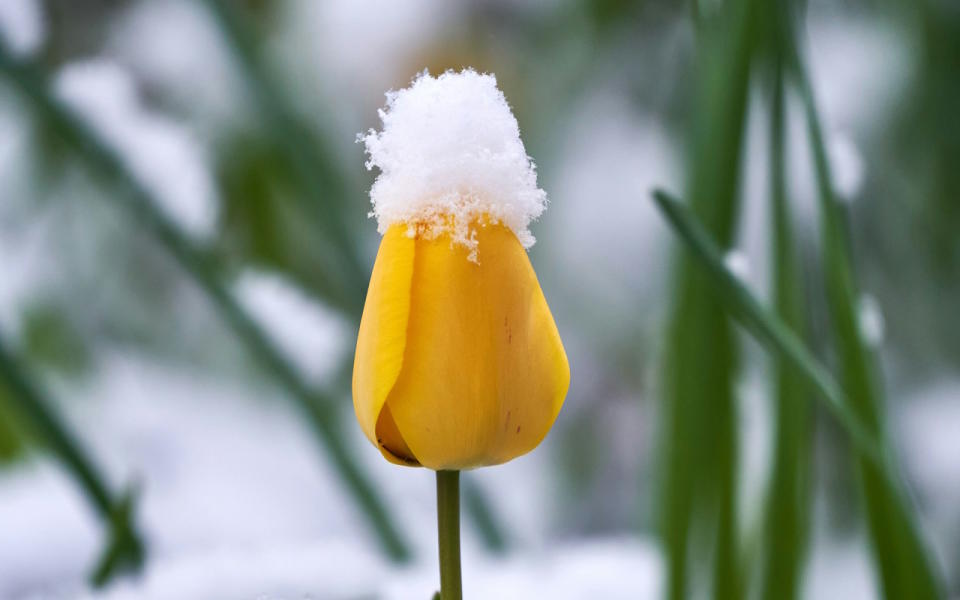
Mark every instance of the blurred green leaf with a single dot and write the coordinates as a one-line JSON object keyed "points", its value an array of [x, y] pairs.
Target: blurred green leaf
{"points": [[786, 530], [876, 459], [765, 326], [12, 434], [318, 405], [323, 195], [699, 431], [125, 547], [263, 225], [50, 339], [905, 567]]}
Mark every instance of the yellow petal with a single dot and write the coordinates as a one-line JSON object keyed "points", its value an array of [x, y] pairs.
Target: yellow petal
{"points": [[383, 332], [484, 372]]}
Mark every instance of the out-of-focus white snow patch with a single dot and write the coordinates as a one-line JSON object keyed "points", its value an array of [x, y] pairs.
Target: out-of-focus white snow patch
{"points": [[738, 264], [220, 466], [321, 570], [49, 531], [756, 416], [175, 46], [604, 228], [611, 568], [522, 495], [754, 232], [238, 502], [310, 335], [385, 39], [22, 26], [927, 423], [840, 571], [848, 168], [450, 154], [870, 321], [859, 68], [161, 154]]}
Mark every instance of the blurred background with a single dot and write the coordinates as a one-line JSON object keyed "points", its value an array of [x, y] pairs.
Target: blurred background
{"points": [[184, 250]]}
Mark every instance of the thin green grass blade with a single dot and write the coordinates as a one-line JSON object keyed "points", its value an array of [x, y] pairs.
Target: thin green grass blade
{"points": [[13, 442], [318, 405], [324, 190], [788, 503], [699, 434], [875, 457], [764, 325], [125, 550], [904, 564]]}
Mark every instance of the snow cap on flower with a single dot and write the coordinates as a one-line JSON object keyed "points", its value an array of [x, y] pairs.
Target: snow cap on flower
{"points": [[449, 155]]}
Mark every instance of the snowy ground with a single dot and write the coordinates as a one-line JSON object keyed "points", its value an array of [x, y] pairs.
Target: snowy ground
{"points": [[238, 503]]}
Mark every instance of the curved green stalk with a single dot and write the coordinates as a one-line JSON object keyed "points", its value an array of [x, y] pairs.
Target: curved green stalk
{"points": [[877, 462], [125, 550], [766, 326], [136, 201]]}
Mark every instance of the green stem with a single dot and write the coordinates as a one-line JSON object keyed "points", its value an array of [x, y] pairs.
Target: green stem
{"points": [[448, 534]]}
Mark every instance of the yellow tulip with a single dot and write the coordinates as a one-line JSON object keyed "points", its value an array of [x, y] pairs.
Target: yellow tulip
{"points": [[458, 363]]}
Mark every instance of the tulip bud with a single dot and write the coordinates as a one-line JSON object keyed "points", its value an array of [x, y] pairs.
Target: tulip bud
{"points": [[458, 362]]}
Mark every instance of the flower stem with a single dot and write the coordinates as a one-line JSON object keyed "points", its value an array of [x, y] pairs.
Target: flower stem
{"points": [[448, 534]]}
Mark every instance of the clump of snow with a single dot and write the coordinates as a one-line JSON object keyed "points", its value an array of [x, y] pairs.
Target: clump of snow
{"points": [[738, 264], [449, 155], [840, 569], [22, 27], [160, 153], [310, 335], [848, 167], [870, 321]]}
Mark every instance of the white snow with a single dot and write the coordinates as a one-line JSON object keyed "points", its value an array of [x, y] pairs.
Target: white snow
{"points": [[841, 570], [50, 534], [239, 502], [312, 336], [162, 154], [738, 264], [610, 568], [22, 26], [870, 321], [847, 166], [176, 48], [450, 154]]}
